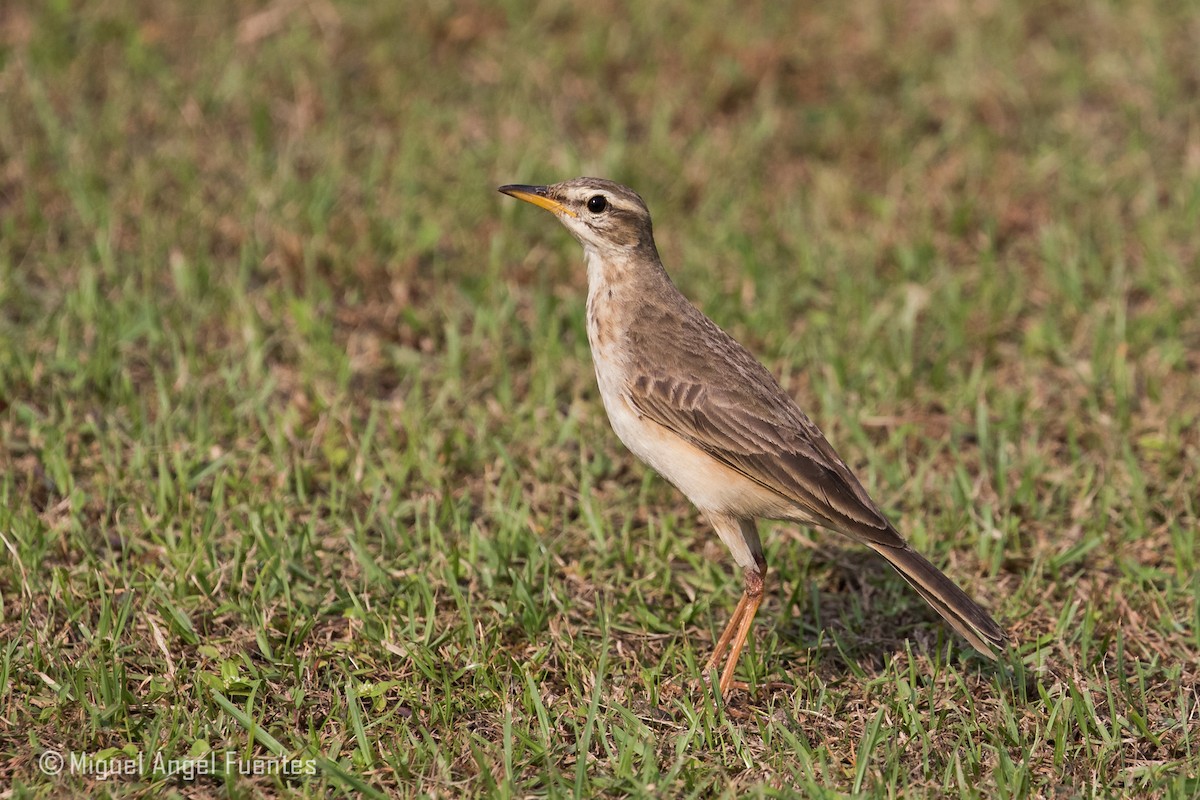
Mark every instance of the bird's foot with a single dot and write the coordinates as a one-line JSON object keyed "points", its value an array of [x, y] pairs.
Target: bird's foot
{"points": [[701, 687]]}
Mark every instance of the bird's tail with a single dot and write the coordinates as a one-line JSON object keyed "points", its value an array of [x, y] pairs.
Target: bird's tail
{"points": [[964, 614]]}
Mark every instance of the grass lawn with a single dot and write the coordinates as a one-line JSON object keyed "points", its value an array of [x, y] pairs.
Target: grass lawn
{"points": [[303, 467]]}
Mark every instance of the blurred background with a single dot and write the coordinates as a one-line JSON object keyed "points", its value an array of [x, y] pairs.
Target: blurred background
{"points": [[298, 431]]}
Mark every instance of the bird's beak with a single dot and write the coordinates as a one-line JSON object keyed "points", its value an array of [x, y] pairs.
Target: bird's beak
{"points": [[538, 195]]}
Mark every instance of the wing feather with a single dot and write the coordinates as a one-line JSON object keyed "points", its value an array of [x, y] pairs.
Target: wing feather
{"points": [[754, 428]]}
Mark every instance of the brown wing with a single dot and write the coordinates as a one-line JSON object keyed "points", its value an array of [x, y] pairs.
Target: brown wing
{"points": [[731, 407], [724, 402]]}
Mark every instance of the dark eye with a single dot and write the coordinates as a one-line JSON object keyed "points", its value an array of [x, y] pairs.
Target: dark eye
{"points": [[597, 203]]}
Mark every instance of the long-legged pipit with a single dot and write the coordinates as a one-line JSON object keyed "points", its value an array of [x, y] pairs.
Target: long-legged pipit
{"points": [[701, 410]]}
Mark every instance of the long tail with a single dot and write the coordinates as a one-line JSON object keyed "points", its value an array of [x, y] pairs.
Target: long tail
{"points": [[964, 614]]}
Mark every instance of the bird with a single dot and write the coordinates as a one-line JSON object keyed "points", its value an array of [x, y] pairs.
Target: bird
{"points": [[698, 408]]}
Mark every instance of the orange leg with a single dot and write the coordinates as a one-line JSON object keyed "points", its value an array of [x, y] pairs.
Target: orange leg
{"points": [[722, 645], [738, 629]]}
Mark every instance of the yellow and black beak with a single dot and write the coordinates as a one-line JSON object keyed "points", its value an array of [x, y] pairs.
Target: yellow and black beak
{"points": [[538, 195]]}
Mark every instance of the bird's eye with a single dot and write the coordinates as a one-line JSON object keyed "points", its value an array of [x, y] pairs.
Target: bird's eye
{"points": [[597, 203]]}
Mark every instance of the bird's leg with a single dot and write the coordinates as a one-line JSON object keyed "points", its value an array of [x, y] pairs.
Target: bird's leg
{"points": [[727, 635], [752, 597], [739, 626], [741, 537]]}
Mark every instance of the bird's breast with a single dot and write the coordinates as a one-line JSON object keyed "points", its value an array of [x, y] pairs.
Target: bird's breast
{"points": [[708, 483]]}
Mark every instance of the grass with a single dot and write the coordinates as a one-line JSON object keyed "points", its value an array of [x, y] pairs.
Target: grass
{"points": [[301, 456]]}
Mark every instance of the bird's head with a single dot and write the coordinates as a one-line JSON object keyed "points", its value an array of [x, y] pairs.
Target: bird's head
{"points": [[607, 218]]}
